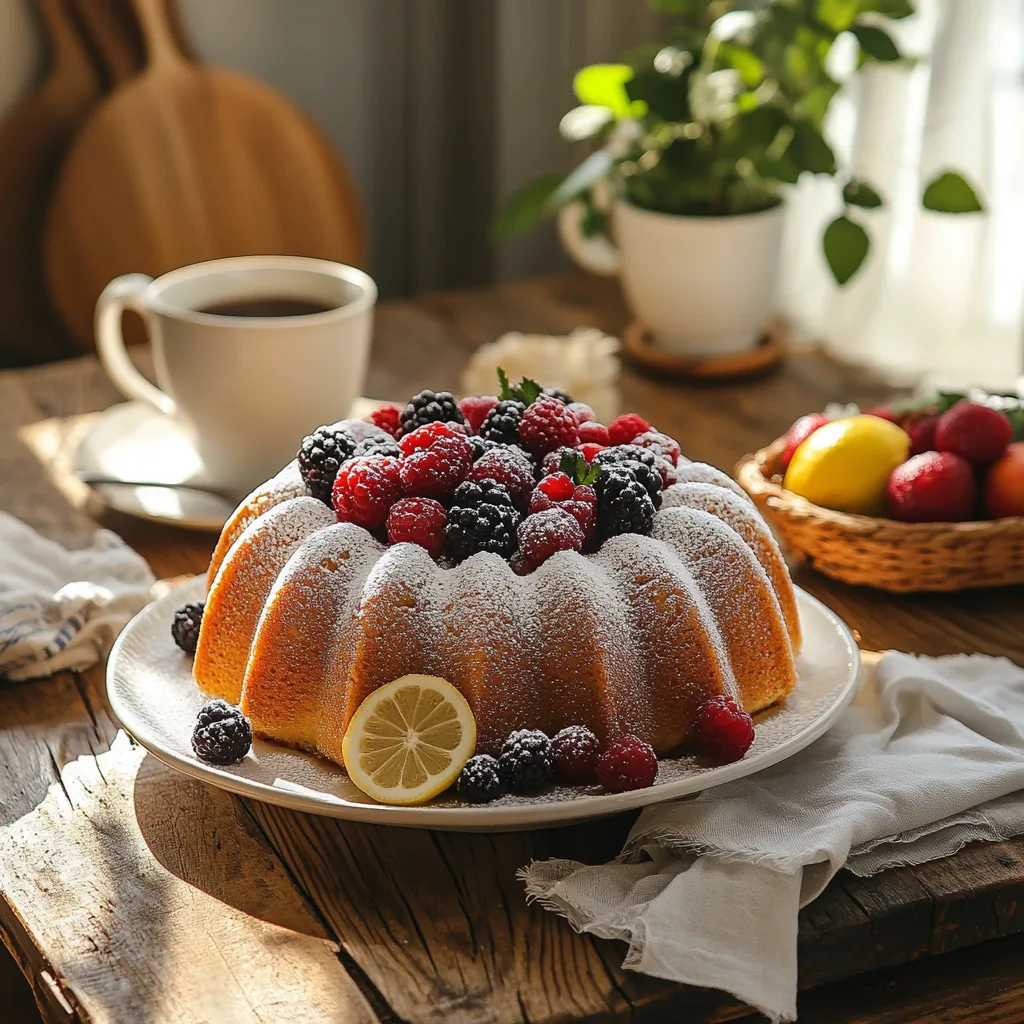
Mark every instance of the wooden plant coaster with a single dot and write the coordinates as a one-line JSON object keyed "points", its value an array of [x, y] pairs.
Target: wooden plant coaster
{"points": [[638, 343]]}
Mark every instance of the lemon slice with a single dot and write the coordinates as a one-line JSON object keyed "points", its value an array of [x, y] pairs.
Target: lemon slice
{"points": [[409, 740]]}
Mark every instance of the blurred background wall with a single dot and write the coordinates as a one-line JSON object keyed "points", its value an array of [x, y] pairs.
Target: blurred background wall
{"points": [[440, 107]]}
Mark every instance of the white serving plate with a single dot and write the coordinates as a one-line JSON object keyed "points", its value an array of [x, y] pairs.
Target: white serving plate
{"points": [[153, 695]]}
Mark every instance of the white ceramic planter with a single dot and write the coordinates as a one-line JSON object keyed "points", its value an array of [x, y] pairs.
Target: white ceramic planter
{"points": [[703, 285]]}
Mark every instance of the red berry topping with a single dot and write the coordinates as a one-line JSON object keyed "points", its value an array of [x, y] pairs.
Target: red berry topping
{"points": [[933, 487], [544, 533], [724, 731], [623, 429], [922, 434], [539, 501], [387, 417], [590, 450], [883, 412], [557, 486], [592, 432], [574, 754], [547, 425], [437, 459], [798, 433], [508, 466], [418, 521], [659, 443], [975, 432], [582, 412], [366, 488], [475, 408], [628, 763]]}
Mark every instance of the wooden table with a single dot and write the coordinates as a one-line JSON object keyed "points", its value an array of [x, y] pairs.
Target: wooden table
{"points": [[130, 893]]}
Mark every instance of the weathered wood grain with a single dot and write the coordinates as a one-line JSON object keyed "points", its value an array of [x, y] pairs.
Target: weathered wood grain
{"points": [[131, 893]]}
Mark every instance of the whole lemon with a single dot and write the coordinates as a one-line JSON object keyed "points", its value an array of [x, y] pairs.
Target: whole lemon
{"points": [[846, 464]]}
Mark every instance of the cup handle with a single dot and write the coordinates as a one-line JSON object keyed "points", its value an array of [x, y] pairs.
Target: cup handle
{"points": [[599, 254], [123, 293]]}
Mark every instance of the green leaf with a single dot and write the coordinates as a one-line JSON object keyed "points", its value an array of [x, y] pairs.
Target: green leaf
{"points": [[598, 165], [664, 95], [860, 193], [504, 388], [810, 150], [604, 85], [591, 474], [679, 6], [876, 42], [894, 9], [743, 60], [528, 391], [950, 193], [846, 245], [527, 208], [838, 15]]}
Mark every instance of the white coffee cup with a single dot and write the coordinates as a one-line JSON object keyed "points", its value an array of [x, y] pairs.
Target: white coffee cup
{"points": [[245, 388]]}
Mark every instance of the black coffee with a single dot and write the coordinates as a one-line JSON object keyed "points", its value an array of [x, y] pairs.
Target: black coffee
{"points": [[269, 306]]}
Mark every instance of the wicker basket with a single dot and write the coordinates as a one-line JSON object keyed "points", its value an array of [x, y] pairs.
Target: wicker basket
{"points": [[883, 553]]}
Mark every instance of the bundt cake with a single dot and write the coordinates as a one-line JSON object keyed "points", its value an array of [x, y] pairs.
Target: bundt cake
{"points": [[631, 604]]}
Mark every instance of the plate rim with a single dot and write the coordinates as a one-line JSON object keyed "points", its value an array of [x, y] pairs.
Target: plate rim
{"points": [[480, 817]]}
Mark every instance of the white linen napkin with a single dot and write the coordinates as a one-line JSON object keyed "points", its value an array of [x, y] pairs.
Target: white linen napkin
{"points": [[61, 609], [707, 890]]}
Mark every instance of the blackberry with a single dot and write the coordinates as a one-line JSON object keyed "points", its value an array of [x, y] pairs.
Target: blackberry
{"points": [[563, 396], [222, 734], [525, 761], [321, 455], [502, 422], [623, 503], [481, 518], [378, 444], [481, 445], [185, 627], [430, 407], [479, 781], [641, 463]]}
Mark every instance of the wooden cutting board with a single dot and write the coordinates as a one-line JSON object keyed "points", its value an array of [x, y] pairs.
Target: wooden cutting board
{"points": [[33, 140], [186, 163]]}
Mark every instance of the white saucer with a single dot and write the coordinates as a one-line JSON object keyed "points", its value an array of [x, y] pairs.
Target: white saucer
{"points": [[153, 695], [148, 464]]}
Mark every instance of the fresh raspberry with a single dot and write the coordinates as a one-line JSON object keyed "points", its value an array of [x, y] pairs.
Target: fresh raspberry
{"points": [[557, 486], [574, 753], [544, 533], [798, 433], [475, 408], [628, 763], [425, 436], [387, 417], [546, 425], [592, 432], [508, 466], [366, 489], [582, 412], [975, 432], [437, 459], [580, 503], [659, 443], [623, 429], [724, 731], [922, 433], [590, 450], [418, 521], [933, 487]]}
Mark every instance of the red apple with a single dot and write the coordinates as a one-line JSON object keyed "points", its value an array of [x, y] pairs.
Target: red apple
{"points": [[1004, 484], [798, 433]]}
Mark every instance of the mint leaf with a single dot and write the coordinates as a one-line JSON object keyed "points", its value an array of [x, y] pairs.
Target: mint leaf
{"points": [[528, 391], [591, 474], [567, 464], [505, 392]]}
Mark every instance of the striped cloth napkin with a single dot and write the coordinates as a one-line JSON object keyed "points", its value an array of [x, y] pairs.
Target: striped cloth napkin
{"points": [[61, 609]]}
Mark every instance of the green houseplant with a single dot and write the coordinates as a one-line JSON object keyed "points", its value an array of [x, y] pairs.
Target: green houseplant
{"points": [[712, 127]]}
